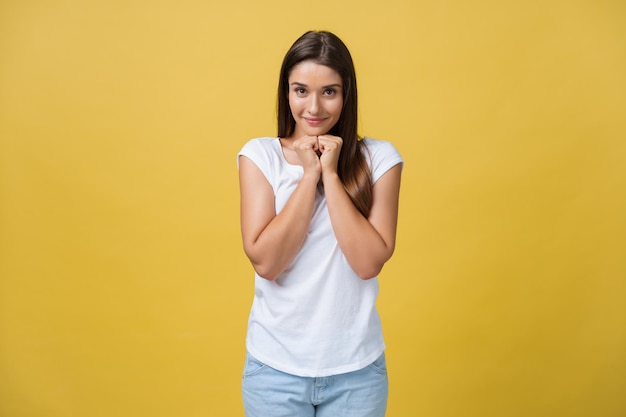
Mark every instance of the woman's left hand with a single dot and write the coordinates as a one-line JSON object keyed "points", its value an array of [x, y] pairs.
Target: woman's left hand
{"points": [[330, 147]]}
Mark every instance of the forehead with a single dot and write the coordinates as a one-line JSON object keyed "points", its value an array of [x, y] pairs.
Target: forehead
{"points": [[313, 72]]}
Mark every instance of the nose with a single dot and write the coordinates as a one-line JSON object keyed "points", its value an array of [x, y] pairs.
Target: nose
{"points": [[314, 104]]}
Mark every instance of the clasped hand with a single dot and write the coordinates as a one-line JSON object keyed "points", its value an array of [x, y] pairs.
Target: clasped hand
{"points": [[319, 153]]}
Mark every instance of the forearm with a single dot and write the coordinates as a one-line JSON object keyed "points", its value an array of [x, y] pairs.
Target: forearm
{"points": [[363, 246], [280, 241]]}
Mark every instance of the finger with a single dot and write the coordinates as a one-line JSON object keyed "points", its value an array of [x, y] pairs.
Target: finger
{"points": [[328, 145], [306, 142], [328, 139]]}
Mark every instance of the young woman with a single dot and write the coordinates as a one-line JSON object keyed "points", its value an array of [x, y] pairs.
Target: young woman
{"points": [[319, 207]]}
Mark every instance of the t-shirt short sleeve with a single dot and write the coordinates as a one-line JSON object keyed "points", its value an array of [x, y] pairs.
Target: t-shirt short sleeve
{"points": [[383, 157], [258, 151]]}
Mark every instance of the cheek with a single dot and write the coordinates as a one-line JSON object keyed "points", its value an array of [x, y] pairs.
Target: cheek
{"points": [[294, 104], [337, 108]]}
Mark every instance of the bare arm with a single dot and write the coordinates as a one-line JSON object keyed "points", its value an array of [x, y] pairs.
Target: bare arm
{"points": [[367, 243], [272, 241]]}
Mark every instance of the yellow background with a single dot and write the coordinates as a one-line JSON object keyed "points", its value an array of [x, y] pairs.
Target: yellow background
{"points": [[124, 290]]}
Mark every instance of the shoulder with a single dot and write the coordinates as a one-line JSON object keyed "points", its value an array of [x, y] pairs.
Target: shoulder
{"points": [[262, 148], [377, 146], [259, 144]]}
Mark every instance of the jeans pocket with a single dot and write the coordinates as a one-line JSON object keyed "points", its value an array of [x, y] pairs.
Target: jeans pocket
{"points": [[379, 365], [252, 366]]}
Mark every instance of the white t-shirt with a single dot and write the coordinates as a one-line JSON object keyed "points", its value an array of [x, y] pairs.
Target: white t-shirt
{"points": [[318, 318]]}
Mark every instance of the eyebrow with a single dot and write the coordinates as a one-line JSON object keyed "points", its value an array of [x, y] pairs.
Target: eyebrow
{"points": [[326, 86]]}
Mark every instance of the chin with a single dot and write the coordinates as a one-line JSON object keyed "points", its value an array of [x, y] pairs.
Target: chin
{"points": [[316, 131]]}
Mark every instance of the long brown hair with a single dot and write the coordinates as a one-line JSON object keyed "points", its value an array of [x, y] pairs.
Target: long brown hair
{"points": [[325, 48]]}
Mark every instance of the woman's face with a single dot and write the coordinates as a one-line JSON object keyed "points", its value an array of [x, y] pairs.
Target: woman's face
{"points": [[315, 98]]}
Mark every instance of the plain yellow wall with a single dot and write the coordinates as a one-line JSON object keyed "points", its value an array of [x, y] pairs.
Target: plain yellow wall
{"points": [[123, 287]]}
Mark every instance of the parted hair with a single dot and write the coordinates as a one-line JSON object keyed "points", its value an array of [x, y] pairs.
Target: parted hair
{"points": [[325, 48]]}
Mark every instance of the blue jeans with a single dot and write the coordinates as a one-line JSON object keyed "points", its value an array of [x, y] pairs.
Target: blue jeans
{"points": [[268, 392]]}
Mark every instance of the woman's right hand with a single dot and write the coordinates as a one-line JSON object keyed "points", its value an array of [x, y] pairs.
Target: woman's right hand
{"points": [[307, 149], [272, 240]]}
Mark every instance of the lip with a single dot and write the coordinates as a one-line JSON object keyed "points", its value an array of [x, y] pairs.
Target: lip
{"points": [[314, 121]]}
